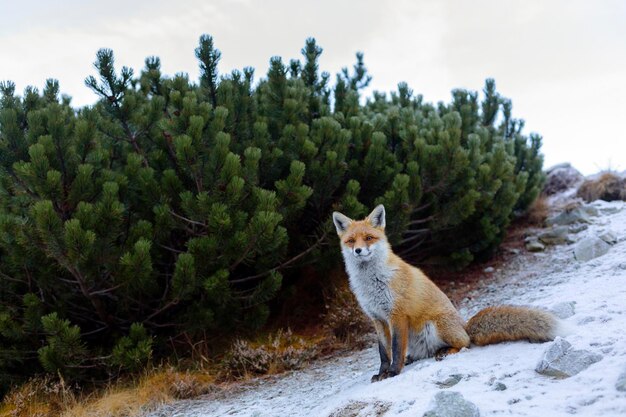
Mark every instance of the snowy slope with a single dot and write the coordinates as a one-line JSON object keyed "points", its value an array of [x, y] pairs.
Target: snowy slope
{"points": [[341, 386]]}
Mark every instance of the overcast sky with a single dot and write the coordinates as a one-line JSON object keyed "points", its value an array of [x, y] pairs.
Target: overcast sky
{"points": [[562, 62]]}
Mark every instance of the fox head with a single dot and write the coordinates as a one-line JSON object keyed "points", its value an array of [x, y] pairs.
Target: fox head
{"points": [[362, 240]]}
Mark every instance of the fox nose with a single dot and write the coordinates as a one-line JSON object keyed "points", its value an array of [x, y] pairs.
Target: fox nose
{"points": [[358, 250]]}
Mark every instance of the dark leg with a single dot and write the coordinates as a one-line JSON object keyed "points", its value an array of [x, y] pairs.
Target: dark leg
{"points": [[399, 344], [383, 333]]}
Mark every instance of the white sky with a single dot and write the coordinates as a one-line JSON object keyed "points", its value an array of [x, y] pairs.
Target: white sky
{"points": [[562, 62]]}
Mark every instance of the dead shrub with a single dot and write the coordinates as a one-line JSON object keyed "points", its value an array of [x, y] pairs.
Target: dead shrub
{"points": [[609, 187], [180, 385], [345, 319], [50, 397], [39, 397], [538, 211], [159, 386], [278, 353]]}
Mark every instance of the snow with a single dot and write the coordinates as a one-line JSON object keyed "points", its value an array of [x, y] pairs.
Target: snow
{"points": [[598, 288]]}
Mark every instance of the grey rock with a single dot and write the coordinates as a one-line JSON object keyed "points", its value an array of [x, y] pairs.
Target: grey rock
{"points": [[586, 320], [560, 178], [564, 310], [489, 269], [591, 210], [535, 246], [577, 228], [590, 248], [362, 408], [620, 385], [557, 235], [585, 402], [499, 386], [609, 237], [561, 361], [451, 381], [610, 210], [452, 404], [575, 215], [558, 166]]}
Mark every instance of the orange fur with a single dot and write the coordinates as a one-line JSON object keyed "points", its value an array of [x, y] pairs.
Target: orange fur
{"points": [[510, 323]]}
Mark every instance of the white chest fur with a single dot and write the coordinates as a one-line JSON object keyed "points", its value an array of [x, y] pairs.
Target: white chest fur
{"points": [[369, 281]]}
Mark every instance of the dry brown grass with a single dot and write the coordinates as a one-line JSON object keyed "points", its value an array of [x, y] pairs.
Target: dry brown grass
{"points": [[46, 398], [39, 397], [609, 187], [155, 389], [538, 211], [344, 319], [278, 352]]}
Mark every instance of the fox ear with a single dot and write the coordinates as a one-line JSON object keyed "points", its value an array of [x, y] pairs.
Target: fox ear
{"points": [[377, 217], [341, 222]]}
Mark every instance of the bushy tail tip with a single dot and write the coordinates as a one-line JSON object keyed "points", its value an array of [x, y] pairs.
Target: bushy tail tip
{"points": [[510, 323]]}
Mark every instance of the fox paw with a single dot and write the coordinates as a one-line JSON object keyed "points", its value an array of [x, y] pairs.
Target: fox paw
{"points": [[443, 352], [383, 375], [379, 377]]}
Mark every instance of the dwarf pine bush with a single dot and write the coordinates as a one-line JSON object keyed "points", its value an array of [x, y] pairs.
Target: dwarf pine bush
{"points": [[176, 210]]}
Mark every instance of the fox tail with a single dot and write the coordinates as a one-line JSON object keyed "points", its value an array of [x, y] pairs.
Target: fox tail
{"points": [[510, 323]]}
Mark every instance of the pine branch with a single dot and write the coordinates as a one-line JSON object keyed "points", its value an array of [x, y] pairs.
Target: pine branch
{"points": [[285, 264]]}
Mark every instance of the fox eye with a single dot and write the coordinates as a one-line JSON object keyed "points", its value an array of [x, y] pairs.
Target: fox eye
{"points": [[369, 237], [351, 240]]}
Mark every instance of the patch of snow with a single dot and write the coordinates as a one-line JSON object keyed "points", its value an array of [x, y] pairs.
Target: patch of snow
{"points": [[498, 379]]}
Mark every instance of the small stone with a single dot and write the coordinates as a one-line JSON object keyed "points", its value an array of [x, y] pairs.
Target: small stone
{"points": [[610, 210], [489, 269], [358, 408], [609, 237], [451, 404], [591, 210], [561, 361], [535, 246], [620, 385], [499, 386], [557, 235], [589, 248], [564, 310], [513, 401], [585, 402], [576, 215], [586, 320], [451, 381], [577, 228]]}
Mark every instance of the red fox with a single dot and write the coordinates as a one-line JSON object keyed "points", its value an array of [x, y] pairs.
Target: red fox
{"points": [[413, 318]]}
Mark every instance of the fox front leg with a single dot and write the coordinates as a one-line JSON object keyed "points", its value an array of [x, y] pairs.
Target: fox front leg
{"points": [[384, 349], [399, 344]]}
